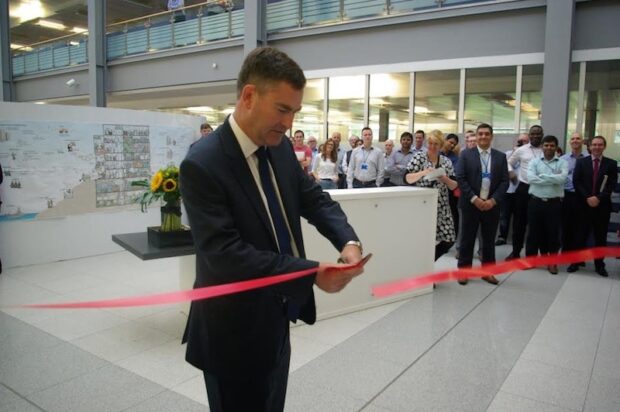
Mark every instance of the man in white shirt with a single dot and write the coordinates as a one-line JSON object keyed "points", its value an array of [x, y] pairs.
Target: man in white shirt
{"points": [[367, 164], [521, 158], [419, 142], [388, 146]]}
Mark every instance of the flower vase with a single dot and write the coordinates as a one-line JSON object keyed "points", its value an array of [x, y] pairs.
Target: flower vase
{"points": [[171, 217]]}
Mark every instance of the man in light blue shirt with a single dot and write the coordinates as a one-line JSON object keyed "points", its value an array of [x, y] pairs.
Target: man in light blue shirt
{"points": [[396, 163], [572, 207], [546, 176]]}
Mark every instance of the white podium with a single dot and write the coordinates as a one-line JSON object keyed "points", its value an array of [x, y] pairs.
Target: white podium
{"points": [[395, 224]]}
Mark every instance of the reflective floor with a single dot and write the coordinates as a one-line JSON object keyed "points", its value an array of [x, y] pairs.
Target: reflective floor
{"points": [[536, 342]]}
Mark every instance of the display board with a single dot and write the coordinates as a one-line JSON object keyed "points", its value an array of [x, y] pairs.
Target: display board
{"points": [[65, 160]]}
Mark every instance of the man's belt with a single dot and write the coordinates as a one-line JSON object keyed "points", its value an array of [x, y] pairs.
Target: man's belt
{"points": [[547, 199]]}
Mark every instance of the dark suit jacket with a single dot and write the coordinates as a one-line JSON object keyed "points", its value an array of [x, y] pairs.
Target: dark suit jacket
{"points": [[244, 333], [582, 179], [469, 176]]}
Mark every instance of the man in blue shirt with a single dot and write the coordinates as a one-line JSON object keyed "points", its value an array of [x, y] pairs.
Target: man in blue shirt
{"points": [[572, 208], [546, 176], [396, 163]]}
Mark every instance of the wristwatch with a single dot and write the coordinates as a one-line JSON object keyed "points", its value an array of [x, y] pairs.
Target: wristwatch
{"points": [[355, 243]]}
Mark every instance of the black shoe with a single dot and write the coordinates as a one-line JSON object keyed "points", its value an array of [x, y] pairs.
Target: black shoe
{"points": [[462, 281], [573, 267], [602, 272], [500, 241], [512, 256]]}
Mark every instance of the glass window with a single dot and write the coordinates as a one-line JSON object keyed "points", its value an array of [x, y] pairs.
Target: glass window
{"points": [[389, 105], [490, 98], [531, 97], [310, 118], [602, 104], [573, 102], [437, 100], [346, 105]]}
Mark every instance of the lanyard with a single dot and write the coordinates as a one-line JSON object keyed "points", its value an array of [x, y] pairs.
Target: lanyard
{"points": [[485, 165]]}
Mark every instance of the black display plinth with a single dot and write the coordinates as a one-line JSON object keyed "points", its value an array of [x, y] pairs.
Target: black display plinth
{"points": [[161, 239]]}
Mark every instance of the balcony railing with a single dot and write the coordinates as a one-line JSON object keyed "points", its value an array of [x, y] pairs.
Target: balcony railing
{"points": [[206, 22]]}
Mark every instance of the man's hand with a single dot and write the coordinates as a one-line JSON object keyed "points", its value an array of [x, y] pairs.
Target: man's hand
{"points": [[484, 205], [331, 279], [593, 201]]}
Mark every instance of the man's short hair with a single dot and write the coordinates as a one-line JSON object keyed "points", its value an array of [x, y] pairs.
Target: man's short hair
{"points": [[206, 126], [550, 138], [484, 126], [453, 136], [406, 134], [600, 137], [366, 128], [420, 131], [267, 65]]}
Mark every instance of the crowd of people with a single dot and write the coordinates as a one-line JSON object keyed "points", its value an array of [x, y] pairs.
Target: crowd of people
{"points": [[552, 201]]}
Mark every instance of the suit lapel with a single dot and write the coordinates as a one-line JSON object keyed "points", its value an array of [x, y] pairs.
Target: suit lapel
{"points": [[242, 174]]}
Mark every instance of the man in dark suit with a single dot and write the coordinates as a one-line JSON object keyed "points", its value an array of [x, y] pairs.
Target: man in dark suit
{"points": [[245, 193], [482, 174], [594, 179]]}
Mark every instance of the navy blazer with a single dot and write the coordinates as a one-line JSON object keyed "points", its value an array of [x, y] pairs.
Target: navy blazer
{"points": [[469, 176], [582, 179], [234, 241]]}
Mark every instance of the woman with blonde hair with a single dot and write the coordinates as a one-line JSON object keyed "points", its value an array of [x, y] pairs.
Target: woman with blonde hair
{"points": [[433, 169], [325, 169]]}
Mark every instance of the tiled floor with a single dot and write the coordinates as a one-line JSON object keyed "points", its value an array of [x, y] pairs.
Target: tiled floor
{"points": [[536, 342]]}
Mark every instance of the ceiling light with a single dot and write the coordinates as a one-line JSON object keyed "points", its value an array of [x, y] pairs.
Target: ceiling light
{"points": [[21, 47], [78, 30], [74, 43], [199, 109], [28, 10], [51, 24]]}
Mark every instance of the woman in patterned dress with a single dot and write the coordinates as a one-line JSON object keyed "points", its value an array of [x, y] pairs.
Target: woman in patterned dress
{"points": [[421, 165]]}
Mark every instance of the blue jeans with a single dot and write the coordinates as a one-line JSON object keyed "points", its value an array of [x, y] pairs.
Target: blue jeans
{"points": [[327, 184]]}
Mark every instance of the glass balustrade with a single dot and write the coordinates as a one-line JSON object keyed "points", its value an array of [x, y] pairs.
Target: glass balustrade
{"points": [[207, 22]]}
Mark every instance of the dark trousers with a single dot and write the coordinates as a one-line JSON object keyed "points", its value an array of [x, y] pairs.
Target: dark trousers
{"points": [[596, 219], [264, 393], [442, 248], [506, 210], [544, 219], [519, 225], [472, 218], [342, 181], [358, 184], [572, 221]]}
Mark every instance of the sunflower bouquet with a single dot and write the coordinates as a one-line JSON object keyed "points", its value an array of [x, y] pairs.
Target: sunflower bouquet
{"points": [[164, 185]]}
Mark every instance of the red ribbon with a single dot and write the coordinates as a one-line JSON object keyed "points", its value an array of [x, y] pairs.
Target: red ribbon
{"points": [[382, 290], [403, 285]]}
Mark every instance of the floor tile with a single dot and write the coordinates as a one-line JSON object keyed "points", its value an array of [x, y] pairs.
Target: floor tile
{"points": [[166, 402], [18, 339], [603, 394], [193, 389], [47, 367], [109, 388], [548, 383], [507, 402]]}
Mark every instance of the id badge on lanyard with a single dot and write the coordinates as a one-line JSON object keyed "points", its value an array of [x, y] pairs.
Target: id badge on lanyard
{"points": [[485, 186]]}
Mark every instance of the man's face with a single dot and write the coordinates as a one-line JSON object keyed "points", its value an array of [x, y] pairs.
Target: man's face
{"points": [[406, 142], [298, 138], [523, 139], [353, 141], [597, 147], [312, 142], [389, 146], [271, 112], [549, 149], [336, 137], [576, 142], [484, 138], [205, 131], [471, 141], [419, 140], [367, 137], [535, 135], [450, 145]]}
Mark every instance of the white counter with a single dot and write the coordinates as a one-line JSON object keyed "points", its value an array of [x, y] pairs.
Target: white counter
{"points": [[396, 225]]}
